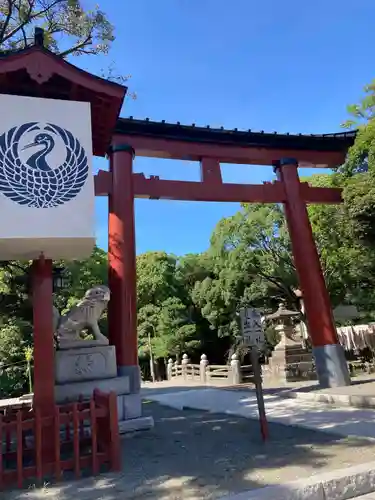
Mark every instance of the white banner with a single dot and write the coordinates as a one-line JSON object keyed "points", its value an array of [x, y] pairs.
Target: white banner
{"points": [[46, 183]]}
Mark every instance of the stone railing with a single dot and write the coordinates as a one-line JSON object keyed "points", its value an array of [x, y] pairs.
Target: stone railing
{"points": [[232, 374]]}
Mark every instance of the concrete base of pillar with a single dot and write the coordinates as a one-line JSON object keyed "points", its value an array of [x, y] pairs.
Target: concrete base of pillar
{"points": [[129, 406], [331, 366], [134, 374], [130, 414]]}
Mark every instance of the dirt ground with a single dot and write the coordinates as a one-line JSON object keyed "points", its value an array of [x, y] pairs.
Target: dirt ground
{"points": [[193, 455]]}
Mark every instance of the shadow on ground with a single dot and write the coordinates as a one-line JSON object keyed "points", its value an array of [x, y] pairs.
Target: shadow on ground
{"points": [[198, 455]]}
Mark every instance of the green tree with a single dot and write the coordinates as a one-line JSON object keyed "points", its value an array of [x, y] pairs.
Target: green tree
{"points": [[15, 338], [192, 269], [70, 29], [175, 333], [16, 312], [359, 199], [166, 330], [361, 155], [252, 266], [82, 275], [346, 262], [156, 278], [359, 168], [165, 309]]}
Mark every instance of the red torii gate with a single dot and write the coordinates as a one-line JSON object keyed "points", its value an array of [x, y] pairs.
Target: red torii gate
{"points": [[38, 72], [211, 147]]}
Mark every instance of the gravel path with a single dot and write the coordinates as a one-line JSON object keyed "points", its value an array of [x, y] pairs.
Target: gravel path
{"points": [[193, 455]]}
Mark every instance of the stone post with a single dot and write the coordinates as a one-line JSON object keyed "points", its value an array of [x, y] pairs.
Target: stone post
{"points": [[169, 369], [203, 368], [235, 369], [184, 363]]}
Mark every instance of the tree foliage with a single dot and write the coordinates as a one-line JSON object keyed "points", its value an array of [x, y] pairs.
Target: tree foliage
{"points": [[361, 155], [16, 312], [15, 338], [251, 266], [346, 261], [165, 309], [69, 28], [359, 168]]}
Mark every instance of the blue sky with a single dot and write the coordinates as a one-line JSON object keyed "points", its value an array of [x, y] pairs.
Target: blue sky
{"points": [[286, 66]]}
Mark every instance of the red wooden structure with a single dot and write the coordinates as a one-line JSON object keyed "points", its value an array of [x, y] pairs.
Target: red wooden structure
{"points": [[37, 72], [83, 436], [212, 147]]}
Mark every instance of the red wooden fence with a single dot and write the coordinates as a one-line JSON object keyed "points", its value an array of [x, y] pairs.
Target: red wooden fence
{"points": [[75, 438]]}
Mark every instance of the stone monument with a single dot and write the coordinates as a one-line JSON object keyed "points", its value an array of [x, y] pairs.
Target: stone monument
{"points": [[82, 365], [290, 361]]}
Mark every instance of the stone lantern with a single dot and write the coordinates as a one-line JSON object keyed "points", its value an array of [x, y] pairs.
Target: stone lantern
{"points": [[284, 324], [290, 361]]}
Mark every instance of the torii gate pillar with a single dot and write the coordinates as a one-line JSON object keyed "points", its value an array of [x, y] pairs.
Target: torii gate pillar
{"points": [[331, 366], [122, 308]]}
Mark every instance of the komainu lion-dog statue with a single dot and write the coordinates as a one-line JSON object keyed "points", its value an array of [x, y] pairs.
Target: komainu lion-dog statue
{"points": [[84, 315]]}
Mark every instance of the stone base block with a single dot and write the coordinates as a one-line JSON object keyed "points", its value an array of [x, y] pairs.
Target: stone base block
{"points": [[136, 424], [331, 366], [71, 392], [129, 406], [132, 406], [290, 373], [85, 363], [289, 363]]}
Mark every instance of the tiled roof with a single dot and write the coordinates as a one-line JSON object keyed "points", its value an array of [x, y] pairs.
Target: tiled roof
{"points": [[176, 131]]}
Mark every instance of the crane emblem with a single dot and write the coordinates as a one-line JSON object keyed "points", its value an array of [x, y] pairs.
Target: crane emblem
{"points": [[33, 182]]}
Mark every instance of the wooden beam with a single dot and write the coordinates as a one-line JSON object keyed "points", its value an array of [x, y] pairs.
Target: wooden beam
{"points": [[103, 183], [321, 195], [268, 192], [211, 171], [198, 191], [195, 151]]}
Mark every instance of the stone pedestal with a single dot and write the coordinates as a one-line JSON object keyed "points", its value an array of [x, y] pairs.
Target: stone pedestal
{"points": [[79, 371], [290, 362], [86, 363]]}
